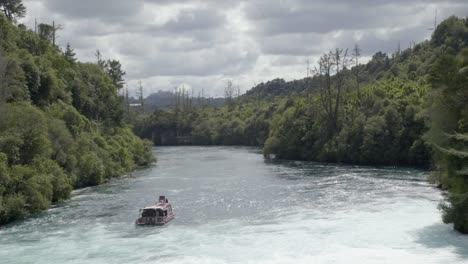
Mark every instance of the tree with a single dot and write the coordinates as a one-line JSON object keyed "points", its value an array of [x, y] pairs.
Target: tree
{"points": [[100, 61], [12, 9], [69, 54], [331, 81], [238, 92], [3, 74], [46, 31], [141, 97], [12, 86], [448, 134], [127, 103], [55, 28], [114, 69], [49, 32], [229, 91], [356, 56]]}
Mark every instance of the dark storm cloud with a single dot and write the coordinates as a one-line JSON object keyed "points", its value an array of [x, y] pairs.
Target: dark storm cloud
{"points": [[198, 42]]}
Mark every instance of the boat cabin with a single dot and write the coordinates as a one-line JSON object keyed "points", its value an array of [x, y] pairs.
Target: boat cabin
{"points": [[155, 211]]}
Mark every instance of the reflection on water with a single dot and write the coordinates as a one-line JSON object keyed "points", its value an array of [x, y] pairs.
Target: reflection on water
{"points": [[232, 206]]}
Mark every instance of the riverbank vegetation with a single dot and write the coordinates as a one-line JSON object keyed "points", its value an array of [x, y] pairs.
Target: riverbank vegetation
{"points": [[407, 108], [61, 121]]}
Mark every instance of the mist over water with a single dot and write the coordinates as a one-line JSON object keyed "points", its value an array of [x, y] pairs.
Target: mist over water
{"points": [[232, 206]]}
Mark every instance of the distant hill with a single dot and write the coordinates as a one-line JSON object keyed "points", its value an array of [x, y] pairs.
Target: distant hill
{"points": [[166, 100], [280, 88]]}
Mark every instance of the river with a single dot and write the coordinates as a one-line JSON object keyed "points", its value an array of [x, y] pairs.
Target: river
{"points": [[232, 206]]}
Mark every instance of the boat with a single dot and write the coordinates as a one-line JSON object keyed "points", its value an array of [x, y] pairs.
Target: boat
{"points": [[157, 214]]}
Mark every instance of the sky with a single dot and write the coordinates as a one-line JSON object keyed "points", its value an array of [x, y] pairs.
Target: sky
{"points": [[200, 45]]}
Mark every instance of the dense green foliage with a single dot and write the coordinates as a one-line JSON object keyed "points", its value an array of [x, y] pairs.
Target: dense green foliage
{"points": [[448, 133], [12, 9], [447, 119], [61, 124], [238, 124], [381, 128]]}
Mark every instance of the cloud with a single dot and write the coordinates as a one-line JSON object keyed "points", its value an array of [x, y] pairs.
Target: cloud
{"points": [[195, 20], [203, 43], [107, 10]]}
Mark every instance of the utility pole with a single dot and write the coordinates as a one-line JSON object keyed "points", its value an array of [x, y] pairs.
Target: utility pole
{"points": [[126, 99], [435, 22], [177, 97], [53, 37], [191, 100], [203, 96], [307, 88], [174, 97], [398, 49], [183, 97], [35, 25], [54, 31], [142, 101], [356, 56]]}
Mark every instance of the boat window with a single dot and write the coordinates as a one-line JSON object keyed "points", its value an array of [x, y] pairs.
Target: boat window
{"points": [[148, 213]]}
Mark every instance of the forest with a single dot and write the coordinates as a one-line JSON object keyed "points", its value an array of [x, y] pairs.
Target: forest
{"points": [[409, 108], [62, 122]]}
